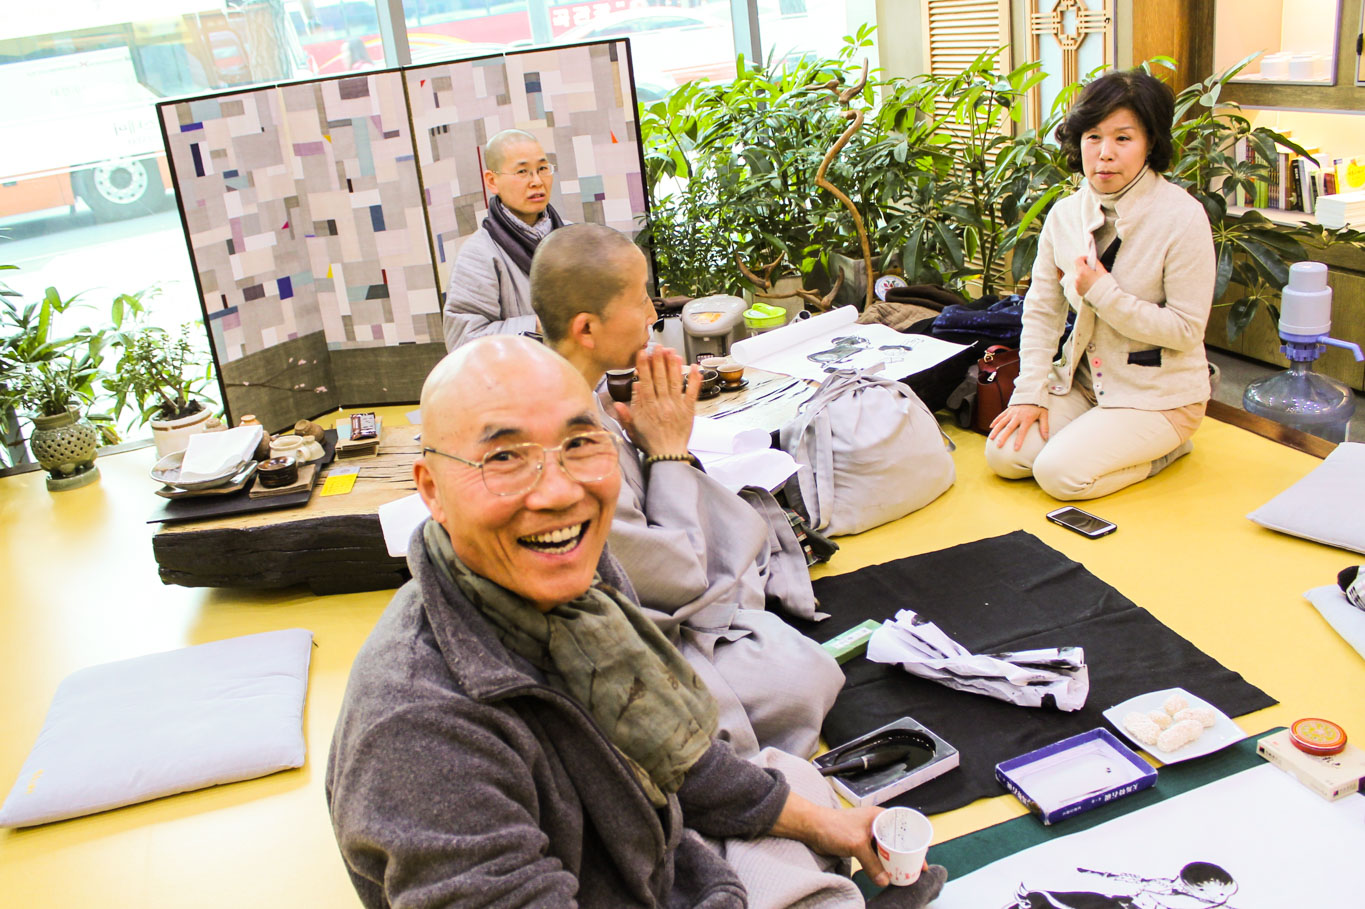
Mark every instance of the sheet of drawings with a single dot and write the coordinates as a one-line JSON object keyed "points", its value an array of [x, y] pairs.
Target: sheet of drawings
{"points": [[1254, 840], [766, 403], [834, 340]]}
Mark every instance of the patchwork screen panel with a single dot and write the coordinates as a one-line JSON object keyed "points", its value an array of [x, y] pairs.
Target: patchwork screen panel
{"points": [[323, 217]]}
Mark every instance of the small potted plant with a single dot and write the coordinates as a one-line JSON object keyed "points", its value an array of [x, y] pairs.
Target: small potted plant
{"points": [[161, 374], [51, 381]]}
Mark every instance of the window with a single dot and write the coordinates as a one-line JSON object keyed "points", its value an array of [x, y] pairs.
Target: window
{"points": [[84, 198]]}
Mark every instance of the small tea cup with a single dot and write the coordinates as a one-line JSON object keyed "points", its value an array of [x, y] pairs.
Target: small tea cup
{"points": [[277, 472], [292, 447], [710, 381], [731, 372], [620, 384]]}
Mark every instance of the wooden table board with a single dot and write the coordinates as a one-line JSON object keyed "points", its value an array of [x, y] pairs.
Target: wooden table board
{"points": [[333, 544]]}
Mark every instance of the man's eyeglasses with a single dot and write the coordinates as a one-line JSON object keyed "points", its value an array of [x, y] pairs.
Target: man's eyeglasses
{"points": [[586, 457], [524, 173]]}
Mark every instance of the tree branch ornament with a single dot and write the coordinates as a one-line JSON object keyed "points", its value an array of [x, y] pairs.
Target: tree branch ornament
{"points": [[764, 285], [842, 98]]}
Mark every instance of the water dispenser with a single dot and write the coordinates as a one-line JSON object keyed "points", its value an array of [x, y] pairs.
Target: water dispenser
{"points": [[1299, 397]]}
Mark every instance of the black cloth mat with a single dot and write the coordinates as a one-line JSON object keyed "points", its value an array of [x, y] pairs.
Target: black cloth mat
{"points": [[200, 508], [1010, 592]]}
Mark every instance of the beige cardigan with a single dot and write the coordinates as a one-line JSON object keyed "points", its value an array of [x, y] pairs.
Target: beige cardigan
{"points": [[1142, 326]]}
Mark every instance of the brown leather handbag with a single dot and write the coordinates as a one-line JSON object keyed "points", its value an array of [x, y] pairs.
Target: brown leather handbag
{"points": [[996, 372]]}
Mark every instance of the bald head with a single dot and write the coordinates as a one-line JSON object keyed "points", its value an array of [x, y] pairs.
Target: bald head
{"points": [[579, 268], [492, 371], [495, 152], [533, 522]]}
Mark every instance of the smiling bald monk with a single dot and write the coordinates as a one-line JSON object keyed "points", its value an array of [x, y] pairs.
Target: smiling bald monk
{"points": [[515, 732]]}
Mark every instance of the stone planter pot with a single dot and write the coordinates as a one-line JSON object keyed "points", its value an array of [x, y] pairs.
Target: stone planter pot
{"points": [[65, 448], [171, 436]]}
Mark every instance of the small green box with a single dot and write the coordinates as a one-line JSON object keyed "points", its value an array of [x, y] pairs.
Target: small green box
{"points": [[844, 647]]}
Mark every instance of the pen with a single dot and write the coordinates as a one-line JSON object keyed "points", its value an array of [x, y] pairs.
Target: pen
{"points": [[874, 760]]}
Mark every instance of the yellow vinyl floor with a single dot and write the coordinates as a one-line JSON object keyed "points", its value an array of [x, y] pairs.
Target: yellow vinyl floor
{"points": [[81, 588]]}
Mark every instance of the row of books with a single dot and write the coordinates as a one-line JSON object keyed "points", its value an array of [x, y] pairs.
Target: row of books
{"points": [[1296, 182]]}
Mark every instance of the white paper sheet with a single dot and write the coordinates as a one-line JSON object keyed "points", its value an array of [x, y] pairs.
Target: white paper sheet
{"points": [[1281, 844], [767, 468], [788, 349], [709, 435], [214, 454], [399, 519]]}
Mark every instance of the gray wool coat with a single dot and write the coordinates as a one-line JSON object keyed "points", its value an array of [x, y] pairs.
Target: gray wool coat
{"points": [[457, 777], [487, 294]]}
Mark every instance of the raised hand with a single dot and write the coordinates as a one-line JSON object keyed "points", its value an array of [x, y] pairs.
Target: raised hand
{"points": [[659, 416]]}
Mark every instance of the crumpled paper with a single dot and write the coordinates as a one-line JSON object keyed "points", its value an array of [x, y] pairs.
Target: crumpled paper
{"points": [[1049, 677]]}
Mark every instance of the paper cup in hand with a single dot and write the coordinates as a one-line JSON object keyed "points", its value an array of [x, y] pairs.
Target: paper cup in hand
{"points": [[903, 836]]}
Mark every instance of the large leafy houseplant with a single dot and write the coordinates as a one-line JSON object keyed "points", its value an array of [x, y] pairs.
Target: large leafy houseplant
{"points": [[743, 156], [977, 195]]}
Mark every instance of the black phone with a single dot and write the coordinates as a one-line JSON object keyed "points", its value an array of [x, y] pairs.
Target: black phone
{"points": [[1083, 522]]}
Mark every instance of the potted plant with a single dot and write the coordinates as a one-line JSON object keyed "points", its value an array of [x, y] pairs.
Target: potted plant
{"points": [[51, 381], [744, 155], [161, 374]]}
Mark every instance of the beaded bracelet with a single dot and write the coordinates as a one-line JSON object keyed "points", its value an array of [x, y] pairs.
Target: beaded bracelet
{"points": [[689, 458]]}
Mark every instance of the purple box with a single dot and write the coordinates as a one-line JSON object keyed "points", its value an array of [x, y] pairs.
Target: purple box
{"points": [[1075, 775]]}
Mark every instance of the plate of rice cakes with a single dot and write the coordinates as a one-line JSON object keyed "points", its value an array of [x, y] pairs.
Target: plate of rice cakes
{"points": [[1173, 725]]}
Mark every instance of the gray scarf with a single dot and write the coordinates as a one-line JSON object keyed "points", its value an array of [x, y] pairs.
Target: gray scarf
{"points": [[604, 653]]}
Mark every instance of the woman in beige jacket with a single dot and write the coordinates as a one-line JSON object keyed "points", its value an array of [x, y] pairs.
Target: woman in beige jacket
{"points": [[1133, 255]]}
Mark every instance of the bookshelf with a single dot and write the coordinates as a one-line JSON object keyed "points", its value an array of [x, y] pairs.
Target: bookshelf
{"points": [[1324, 109]]}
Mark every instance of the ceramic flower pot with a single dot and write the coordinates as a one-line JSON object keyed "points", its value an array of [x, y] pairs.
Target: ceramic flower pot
{"points": [[171, 436], [65, 448]]}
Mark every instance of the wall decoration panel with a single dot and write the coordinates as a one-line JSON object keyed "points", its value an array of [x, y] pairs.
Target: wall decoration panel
{"points": [[1069, 38], [576, 100], [322, 217]]}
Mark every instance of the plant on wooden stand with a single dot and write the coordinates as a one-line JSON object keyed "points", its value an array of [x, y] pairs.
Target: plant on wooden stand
{"points": [[51, 381], [1254, 254]]}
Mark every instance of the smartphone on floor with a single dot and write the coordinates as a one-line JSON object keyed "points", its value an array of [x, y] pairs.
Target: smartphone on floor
{"points": [[1083, 522]]}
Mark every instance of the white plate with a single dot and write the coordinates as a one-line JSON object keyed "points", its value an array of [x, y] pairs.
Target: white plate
{"points": [[1220, 735], [167, 471]]}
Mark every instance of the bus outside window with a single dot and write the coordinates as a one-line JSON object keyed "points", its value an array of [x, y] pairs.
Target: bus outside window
{"points": [[79, 107]]}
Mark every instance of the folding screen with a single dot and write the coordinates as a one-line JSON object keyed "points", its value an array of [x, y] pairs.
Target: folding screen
{"points": [[323, 217]]}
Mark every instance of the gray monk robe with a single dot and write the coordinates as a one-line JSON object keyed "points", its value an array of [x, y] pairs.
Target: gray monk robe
{"points": [[702, 560]]}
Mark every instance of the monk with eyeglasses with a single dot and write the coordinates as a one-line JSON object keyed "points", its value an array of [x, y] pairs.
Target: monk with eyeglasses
{"points": [[515, 732]]}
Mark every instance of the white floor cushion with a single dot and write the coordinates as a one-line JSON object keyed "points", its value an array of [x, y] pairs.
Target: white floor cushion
{"points": [[170, 722], [1327, 505]]}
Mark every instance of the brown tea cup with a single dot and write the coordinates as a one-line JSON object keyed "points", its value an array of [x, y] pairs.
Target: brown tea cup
{"points": [[278, 472], [710, 381], [731, 372], [620, 383]]}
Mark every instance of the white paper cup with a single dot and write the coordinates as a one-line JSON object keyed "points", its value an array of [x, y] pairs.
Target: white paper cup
{"points": [[903, 836]]}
